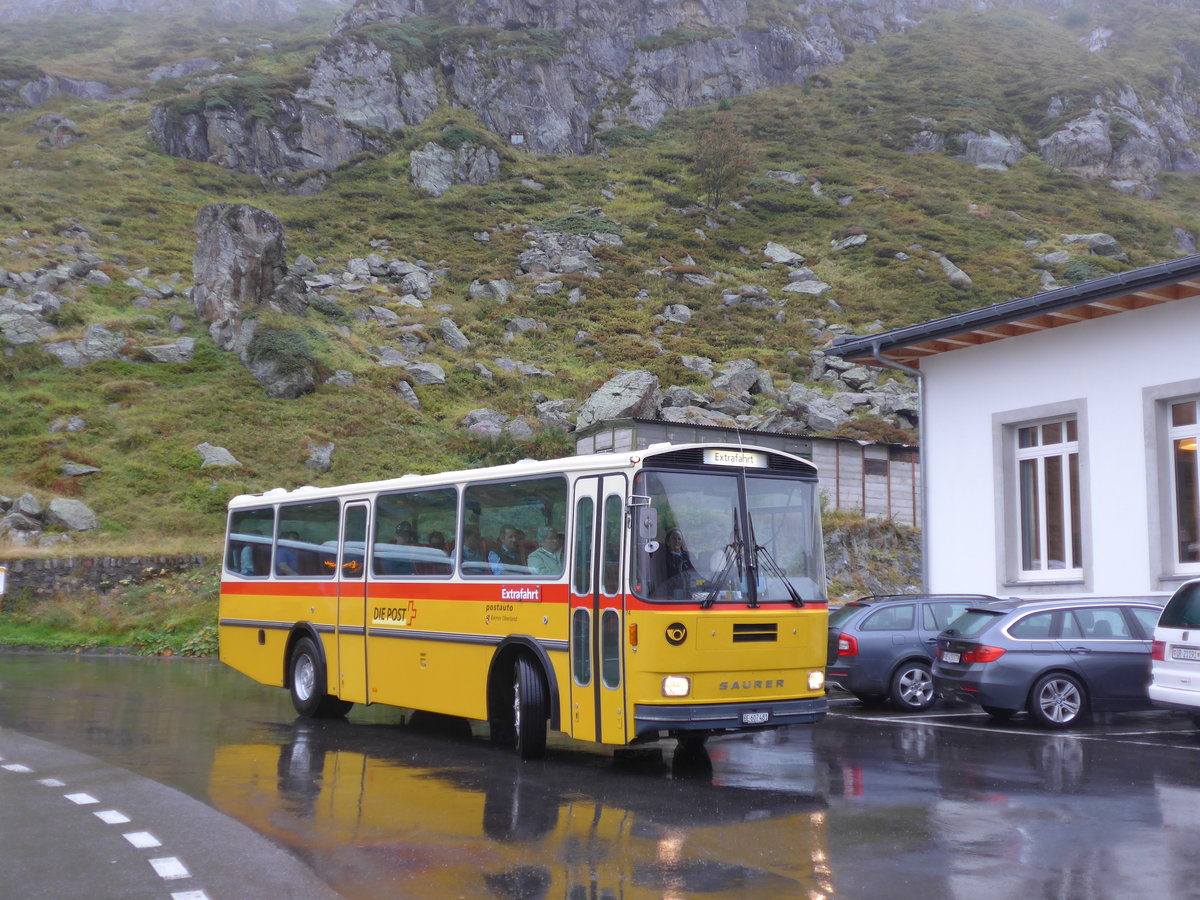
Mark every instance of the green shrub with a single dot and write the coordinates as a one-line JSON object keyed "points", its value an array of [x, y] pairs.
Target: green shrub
{"points": [[289, 350], [454, 136]]}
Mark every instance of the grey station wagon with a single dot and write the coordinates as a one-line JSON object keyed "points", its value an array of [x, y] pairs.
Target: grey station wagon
{"points": [[881, 647], [1057, 659]]}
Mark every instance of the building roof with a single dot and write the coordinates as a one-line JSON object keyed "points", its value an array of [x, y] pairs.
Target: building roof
{"points": [[1178, 279]]}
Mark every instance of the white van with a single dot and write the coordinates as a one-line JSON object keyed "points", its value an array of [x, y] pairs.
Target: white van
{"points": [[1175, 654]]}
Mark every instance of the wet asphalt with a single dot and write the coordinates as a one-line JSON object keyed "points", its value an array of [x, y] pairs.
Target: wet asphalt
{"points": [[219, 791]]}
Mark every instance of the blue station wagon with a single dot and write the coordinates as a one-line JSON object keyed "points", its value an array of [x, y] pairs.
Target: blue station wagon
{"points": [[1057, 659], [881, 647]]}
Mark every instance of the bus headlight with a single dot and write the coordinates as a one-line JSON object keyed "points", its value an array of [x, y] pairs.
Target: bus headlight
{"points": [[816, 680], [677, 686]]}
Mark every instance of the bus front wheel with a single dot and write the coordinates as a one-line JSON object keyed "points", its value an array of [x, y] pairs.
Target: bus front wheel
{"points": [[307, 684], [530, 709]]}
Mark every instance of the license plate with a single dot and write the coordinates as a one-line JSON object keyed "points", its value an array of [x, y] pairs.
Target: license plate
{"points": [[950, 656], [1185, 653], [755, 718]]}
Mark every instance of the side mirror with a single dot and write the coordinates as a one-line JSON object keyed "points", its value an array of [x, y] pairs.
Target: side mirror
{"points": [[647, 525]]}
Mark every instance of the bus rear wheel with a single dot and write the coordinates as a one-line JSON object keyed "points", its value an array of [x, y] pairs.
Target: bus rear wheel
{"points": [[307, 682], [530, 709]]}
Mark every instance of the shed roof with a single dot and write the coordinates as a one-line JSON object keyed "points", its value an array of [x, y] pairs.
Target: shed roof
{"points": [[1178, 279]]}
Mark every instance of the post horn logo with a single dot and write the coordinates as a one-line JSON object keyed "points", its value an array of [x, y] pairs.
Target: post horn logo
{"points": [[676, 634]]}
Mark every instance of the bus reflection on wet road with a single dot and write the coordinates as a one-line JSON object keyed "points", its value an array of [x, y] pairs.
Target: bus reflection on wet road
{"points": [[868, 803], [428, 810]]}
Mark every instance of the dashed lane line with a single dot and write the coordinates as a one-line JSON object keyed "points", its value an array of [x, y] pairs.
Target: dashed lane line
{"points": [[168, 868]]}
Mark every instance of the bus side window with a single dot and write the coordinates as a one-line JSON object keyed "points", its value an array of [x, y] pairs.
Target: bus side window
{"points": [[308, 538], [410, 533], [584, 516], [250, 533]]}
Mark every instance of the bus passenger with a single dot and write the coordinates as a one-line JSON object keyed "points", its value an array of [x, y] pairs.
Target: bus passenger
{"points": [[287, 561], [472, 550], [506, 557], [679, 571], [437, 540], [404, 538], [547, 558]]}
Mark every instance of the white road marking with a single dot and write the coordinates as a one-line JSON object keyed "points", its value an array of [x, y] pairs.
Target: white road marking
{"points": [[190, 895], [169, 868], [52, 782], [81, 799], [17, 767], [142, 839], [112, 817]]}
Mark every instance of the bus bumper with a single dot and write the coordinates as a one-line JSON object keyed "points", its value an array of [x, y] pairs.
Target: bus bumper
{"points": [[717, 717]]}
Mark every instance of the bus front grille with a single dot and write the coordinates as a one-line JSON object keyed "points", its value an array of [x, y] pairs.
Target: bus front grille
{"points": [[755, 632]]}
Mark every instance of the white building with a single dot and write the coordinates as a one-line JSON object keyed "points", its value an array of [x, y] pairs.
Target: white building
{"points": [[1059, 435]]}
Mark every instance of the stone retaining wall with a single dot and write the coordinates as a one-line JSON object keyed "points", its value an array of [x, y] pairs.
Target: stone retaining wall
{"points": [[46, 578]]}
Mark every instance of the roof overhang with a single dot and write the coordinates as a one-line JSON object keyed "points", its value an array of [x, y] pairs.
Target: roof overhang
{"points": [[1154, 285]]}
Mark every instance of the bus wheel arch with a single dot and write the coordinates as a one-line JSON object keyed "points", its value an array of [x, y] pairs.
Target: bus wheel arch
{"points": [[306, 679], [520, 657]]}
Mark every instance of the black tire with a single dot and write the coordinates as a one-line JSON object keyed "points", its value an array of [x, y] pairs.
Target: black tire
{"points": [[1000, 715], [530, 709], [1058, 700], [306, 679], [912, 687], [1195, 717]]}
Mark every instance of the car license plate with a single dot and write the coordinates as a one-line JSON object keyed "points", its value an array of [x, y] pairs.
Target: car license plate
{"points": [[1185, 653], [950, 656], [755, 718]]}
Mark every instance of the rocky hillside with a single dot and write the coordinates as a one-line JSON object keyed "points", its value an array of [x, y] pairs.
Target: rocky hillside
{"points": [[557, 77], [239, 251]]}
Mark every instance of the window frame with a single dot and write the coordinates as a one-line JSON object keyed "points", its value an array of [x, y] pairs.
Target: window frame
{"points": [[1181, 433], [1008, 456], [1166, 571]]}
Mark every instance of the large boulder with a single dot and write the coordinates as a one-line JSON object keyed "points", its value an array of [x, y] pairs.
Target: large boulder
{"points": [[240, 263], [630, 394], [435, 169], [992, 150], [72, 515]]}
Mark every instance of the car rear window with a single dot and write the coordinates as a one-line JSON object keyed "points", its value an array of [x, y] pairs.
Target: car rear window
{"points": [[1183, 609], [1038, 625], [938, 615], [841, 614], [972, 622], [891, 618], [1099, 623]]}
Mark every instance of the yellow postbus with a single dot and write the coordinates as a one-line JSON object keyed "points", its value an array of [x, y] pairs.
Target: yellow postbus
{"points": [[677, 591]]}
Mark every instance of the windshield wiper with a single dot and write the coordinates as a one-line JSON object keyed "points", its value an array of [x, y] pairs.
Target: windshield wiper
{"points": [[733, 553], [772, 567]]}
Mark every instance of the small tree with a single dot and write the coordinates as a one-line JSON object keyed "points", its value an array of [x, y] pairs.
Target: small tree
{"points": [[723, 159]]}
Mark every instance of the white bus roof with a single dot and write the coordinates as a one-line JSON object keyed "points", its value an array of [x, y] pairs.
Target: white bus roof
{"points": [[595, 462]]}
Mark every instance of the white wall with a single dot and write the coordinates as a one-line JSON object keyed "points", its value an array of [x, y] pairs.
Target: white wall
{"points": [[1106, 363]]}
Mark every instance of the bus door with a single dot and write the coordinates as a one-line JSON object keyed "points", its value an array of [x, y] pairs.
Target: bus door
{"points": [[598, 611], [352, 605]]}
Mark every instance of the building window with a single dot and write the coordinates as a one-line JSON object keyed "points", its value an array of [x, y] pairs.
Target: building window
{"points": [[1183, 432], [1049, 533]]}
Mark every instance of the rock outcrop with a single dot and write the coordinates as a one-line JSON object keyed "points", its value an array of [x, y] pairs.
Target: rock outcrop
{"points": [[435, 168], [276, 139], [239, 266]]}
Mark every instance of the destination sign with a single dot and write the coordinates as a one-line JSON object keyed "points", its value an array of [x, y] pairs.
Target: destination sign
{"points": [[744, 458]]}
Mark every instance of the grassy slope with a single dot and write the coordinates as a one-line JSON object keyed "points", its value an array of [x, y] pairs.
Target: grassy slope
{"points": [[847, 128]]}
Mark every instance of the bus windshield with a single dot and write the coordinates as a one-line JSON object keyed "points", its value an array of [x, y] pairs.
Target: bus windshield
{"points": [[713, 547]]}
